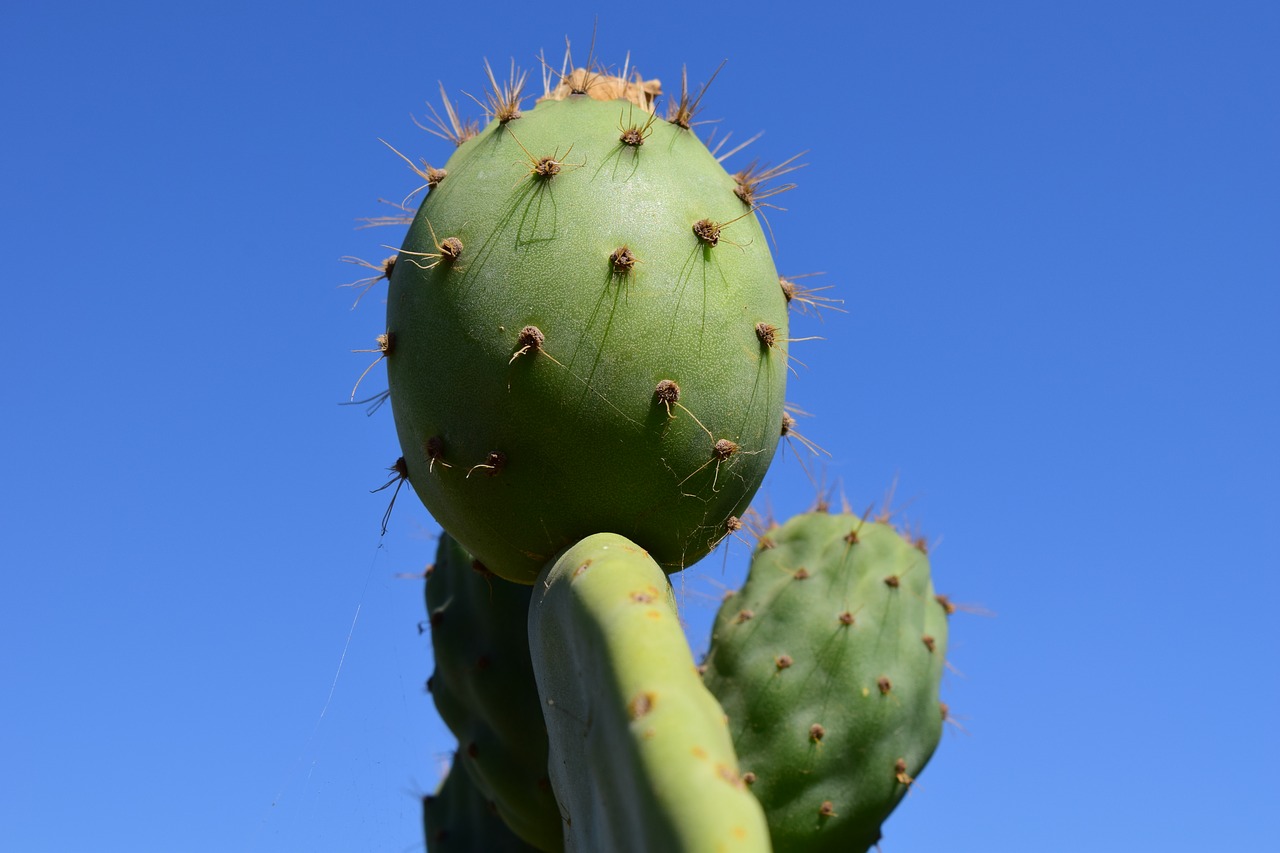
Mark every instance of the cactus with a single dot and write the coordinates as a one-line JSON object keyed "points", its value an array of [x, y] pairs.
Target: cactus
{"points": [[484, 689], [641, 757], [828, 663], [458, 819], [587, 348], [585, 333]]}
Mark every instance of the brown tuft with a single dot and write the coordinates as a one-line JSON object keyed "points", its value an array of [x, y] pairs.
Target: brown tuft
{"points": [[723, 449], [436, 176], [749, 778], [900, 772], [640, 704], [851, 537], [546, 167], [623, 259], [788, 424], [884, 684], [605, 87], [929, 642], [450, 248], [473, 749], [788, 288], [530, 338], [744, 616], [707, 231], [782, 661], [801, 574], [644, 596], [827, 809], [481, 569], [767, 544], [817, 732], [892, 581], [946, 604], [434, 448], [667, 392], [767, 333], [846, 618], [732, 524]]}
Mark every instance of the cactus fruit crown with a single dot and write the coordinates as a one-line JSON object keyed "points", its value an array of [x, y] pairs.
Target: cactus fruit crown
{"points": [[589, 331]]}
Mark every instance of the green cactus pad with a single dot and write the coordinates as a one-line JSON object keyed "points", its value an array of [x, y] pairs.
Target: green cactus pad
{"points": [[458, 819], [585, 335], [828, 662], [641, 758], [485, 691]]}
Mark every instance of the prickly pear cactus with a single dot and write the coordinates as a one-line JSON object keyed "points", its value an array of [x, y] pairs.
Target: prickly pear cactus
{"points": [[641, 757], [485, 691], [828, 663], [585, 332]]}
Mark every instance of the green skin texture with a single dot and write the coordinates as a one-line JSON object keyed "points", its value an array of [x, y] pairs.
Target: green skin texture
{"points": [[457, 819], [641, 757], [485, 691], [588, 446], [833, 678]]}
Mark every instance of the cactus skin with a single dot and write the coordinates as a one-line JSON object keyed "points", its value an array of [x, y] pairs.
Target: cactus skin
{"points": [[458, 819], [521, 445], [828, 662], [641, 758], [485, 691]]}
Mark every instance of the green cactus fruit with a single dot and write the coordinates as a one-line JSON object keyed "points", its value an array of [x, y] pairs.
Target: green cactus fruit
{"points": [[641, 758], [586, 333], [458, 819], [828, 662], [485, 691]]}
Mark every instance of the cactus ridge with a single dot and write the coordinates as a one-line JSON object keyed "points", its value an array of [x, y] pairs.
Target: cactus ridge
{"points": [[641, 757], [484, 689], [828, 663]]}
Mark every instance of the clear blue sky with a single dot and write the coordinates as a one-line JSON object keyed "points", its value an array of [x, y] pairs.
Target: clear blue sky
{"points": [[1056, 229]]}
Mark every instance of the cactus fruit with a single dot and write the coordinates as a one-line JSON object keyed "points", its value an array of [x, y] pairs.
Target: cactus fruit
{"points": [[585, 331], [641, 758], [828, 663], [458, 819], [485, 691]]}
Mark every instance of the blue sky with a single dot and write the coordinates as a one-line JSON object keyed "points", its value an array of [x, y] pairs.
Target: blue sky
{"points": [[1054, 227]]}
